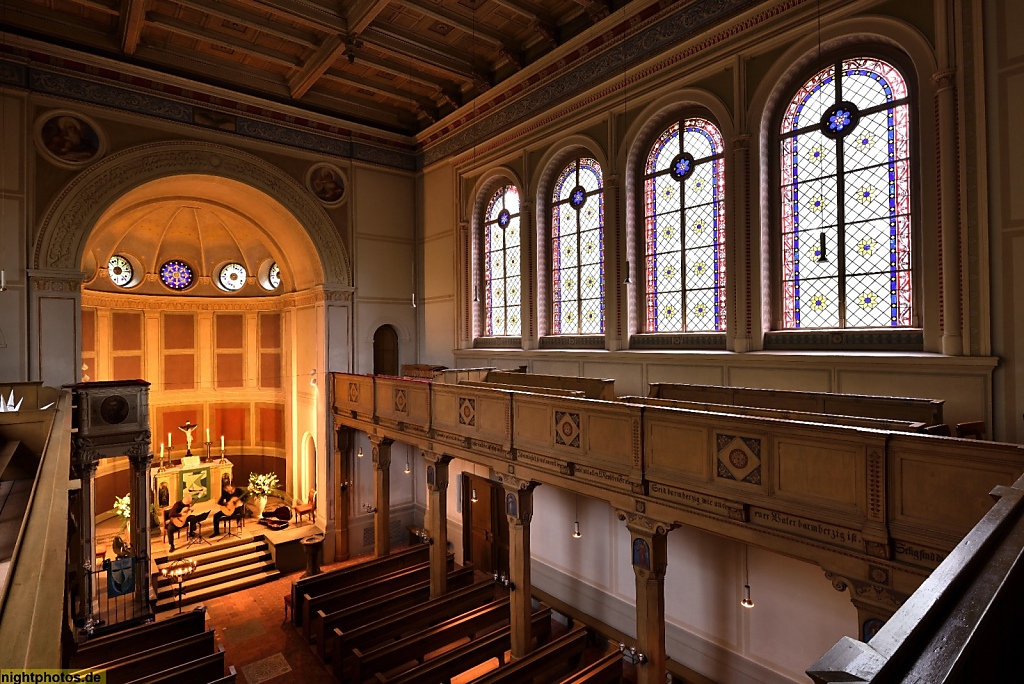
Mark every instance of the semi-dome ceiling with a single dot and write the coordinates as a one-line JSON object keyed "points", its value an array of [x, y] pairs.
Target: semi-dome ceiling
{"points": [[205, 223]]}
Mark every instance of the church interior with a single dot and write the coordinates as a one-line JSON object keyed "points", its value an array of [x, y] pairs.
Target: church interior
{"points": [[567, 341]]}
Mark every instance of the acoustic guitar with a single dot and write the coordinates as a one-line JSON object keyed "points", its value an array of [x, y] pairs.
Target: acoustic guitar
{"points": [[181, 519], [228, 509]]}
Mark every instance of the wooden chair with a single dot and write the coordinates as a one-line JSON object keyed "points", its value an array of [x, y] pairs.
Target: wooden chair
{"points": [[306, 508], [974, 429]]}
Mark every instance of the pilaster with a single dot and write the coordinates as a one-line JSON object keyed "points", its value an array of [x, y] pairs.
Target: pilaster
{"points": [[437, 521], [519, 511]]}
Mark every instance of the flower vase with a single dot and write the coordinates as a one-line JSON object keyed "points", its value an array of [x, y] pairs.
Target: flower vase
{"points": [[261, 503]]}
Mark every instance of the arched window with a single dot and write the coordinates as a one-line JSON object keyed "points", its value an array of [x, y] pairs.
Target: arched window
{"points": [[684, 229], [577, 250], [845, 172], [502, 278]]}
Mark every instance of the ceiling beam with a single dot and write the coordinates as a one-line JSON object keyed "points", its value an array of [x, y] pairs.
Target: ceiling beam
{"points": [[413, 48], [246, 18], [404, 71], [453, 19], [362, 12], [307, 13], [597, 9], [318, 63], [542, 22], [112, 7], [338, 76], [199, 33], [133, 17]]}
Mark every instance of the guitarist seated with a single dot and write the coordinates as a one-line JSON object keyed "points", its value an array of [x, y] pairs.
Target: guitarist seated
{"points": [[231, 499], [177, 517]]}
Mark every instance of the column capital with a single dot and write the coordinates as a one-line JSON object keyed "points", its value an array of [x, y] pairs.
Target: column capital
{"points": [[380, 448], [139, 453], [437, 471], [944, 78], [741, 142], [649, 544], [518, 498]]}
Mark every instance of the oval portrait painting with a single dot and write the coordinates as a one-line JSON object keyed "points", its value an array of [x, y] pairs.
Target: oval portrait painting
{"points": [[69, 139], [326, 182]]}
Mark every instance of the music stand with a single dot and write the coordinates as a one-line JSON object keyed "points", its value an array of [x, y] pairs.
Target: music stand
{"points": [[198, 521], [234, 517]]}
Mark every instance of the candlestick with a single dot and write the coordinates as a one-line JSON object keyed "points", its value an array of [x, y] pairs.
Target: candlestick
{"points": [[208, 451]]}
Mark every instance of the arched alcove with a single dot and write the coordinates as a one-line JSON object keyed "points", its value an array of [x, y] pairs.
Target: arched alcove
{"points": [[385, 351]]}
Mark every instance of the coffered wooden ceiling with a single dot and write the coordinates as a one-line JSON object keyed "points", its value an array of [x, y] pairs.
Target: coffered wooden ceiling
{"points": [[398, 65]]}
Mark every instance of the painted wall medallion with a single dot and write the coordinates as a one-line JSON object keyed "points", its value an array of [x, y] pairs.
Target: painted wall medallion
{"points": [[738, 458], [69, 139], [327, 182], [467, 411], [641, 554], [401, 403], [567, 429]]}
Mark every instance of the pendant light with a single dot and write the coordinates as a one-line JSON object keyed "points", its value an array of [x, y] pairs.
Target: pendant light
{"points": [[576, 534]]}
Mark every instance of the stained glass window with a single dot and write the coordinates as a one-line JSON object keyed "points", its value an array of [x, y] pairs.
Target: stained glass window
{"points": [[120, 270], [845, 156], [577, 250], [232, 276], [176, 274], [274, 276], [502, 276], [684, 224]]}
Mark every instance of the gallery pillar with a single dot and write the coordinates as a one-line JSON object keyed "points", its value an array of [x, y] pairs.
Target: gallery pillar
{"points": [[437, 521], [649, 555], [519, 511], [87, 463], [381, 495], [140, 457]]}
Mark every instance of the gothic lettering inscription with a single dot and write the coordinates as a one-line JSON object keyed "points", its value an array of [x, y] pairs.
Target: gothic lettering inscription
{"points": [[696, 500], [917, 555], [812, 529]]}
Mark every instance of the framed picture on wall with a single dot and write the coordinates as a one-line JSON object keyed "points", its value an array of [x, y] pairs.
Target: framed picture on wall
{"points": [[69, 139], [327, 182], [163, 485], [197, 482]]}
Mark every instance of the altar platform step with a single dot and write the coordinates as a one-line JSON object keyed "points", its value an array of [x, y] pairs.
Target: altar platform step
{"points": [[220, 570], [215, 551]]}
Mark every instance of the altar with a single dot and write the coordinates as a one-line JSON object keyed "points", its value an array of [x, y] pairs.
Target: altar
{"points": [[203, 480]]}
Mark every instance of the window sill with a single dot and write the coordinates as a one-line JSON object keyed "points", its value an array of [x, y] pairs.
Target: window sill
{"points": [[879, 339], [572, 342], [498, 343], [679, 340]]}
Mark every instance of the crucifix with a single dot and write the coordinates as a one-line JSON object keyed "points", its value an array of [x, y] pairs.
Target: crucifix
{"points": [[188, 429]]}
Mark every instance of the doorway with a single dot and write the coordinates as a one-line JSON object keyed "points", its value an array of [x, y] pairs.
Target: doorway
{"points": [[385, 351], [484, 525]]}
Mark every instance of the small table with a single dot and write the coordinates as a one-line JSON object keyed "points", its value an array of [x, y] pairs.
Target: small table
{"points": [[313, 545]]}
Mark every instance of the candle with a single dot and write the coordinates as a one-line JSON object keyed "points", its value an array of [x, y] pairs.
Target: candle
{"points": [[168, 440], [161, 451], [222, 442], [207, 434]]}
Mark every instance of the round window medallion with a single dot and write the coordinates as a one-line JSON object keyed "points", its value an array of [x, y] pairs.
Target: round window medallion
{"points": [[120, 270], [176, 274], [232, 277], [114, 409]]}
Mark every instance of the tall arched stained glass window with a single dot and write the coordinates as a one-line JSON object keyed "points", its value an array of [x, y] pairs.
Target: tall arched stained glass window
{"points": [[577, 250], [684, 210], [502, 278], [845, 155]]}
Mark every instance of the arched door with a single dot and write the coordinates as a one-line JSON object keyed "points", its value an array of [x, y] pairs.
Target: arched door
{"points": [[385, 351]]}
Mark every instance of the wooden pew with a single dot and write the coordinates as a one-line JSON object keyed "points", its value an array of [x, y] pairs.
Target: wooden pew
{"points": [[607, 670], [397, 625], [480, 650], [325, 624], [418, 644], [208, 669], [154, 660], [551, 660], [352, 574], [141, 638], [349, 595]]}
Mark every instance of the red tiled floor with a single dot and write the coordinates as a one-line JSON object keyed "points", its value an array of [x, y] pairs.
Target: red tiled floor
{"points": [[265, 603]]}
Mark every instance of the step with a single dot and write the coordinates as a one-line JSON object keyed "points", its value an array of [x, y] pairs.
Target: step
{"points": [[200, 595], [210, 567], [196, 583], [204, 553]]}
